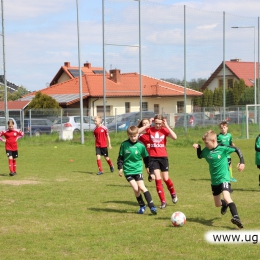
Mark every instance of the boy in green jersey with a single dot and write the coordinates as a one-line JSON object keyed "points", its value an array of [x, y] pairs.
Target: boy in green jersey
{"points": [[132, 153], [257, 155], [216, 156], [225, 138]]}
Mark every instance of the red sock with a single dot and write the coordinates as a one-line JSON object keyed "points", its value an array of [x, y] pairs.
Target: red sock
{"points": [[109, 162], [11, 165], [14, 165], [160, 190], [99, 164], [170, 186]]}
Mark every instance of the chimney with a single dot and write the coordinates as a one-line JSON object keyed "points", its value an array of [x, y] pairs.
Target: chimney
{"points": [[67, 64], [115, 75], [87, 65], [235, 60]]}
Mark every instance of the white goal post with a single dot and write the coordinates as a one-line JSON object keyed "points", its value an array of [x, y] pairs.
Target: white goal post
{"points": [[247, 116]]}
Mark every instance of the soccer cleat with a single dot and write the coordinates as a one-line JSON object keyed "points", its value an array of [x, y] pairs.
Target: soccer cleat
{"points": [[141, 210], [99, 173], [174, 198], [223, 210], [163, 205], [112, 168], [236, 221], [153, 210], [233, 179], [12, 173]]}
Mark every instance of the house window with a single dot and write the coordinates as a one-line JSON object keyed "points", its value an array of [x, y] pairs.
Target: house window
{"points": [[180, 106], [100, 110], [144, 106], [229, 83], [156, 109], [127, 107]]}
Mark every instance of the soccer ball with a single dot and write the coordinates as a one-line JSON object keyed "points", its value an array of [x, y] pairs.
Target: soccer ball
{"points": [[178, 219]]}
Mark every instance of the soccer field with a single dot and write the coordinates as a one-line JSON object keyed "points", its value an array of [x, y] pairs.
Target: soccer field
{"points": [[58, 208]]}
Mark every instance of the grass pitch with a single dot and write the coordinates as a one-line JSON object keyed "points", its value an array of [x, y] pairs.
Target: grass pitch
{"points": [[58, 208]]}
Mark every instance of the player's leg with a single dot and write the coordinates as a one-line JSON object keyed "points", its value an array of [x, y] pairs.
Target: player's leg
{"points": [[10, 162], [258, 166], [232, 206], [159, 187], [15, 156], [138, 194], [164, 164], [99, 163], [109, 162], [147, 195], [230, 170]]}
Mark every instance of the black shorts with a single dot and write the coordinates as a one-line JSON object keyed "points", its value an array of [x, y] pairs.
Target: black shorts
{"points": [[102, 151], [160, 163], [229, 161], [14, 154], [258, 166], [217, 189], [136, 177]]}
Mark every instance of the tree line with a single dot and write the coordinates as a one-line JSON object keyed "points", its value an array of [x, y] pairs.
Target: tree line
{"points": [[240, 94]]}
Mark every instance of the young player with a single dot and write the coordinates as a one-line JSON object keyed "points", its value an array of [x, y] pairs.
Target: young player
{"points": [[159, 156], [225, 138], [144, 138], [257, 155], [101, 138], [11, 136], [132, 153], [216, 156]]}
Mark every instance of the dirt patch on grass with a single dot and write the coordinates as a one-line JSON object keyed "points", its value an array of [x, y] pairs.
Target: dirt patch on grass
{"points": [[19, 182]]}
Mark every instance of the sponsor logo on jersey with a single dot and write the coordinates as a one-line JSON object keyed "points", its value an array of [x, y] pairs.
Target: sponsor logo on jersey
{"points": [[157, 138], [157, 145]]}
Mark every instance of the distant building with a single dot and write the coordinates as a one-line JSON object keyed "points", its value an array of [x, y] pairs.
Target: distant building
{"points": [[10, 86], [235, 70], [122, 91]]}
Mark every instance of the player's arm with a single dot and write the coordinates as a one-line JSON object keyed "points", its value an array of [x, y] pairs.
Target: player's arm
{"points": [[109, 142], [20, 135], [172, 134], [198, 148], [142, 129]]}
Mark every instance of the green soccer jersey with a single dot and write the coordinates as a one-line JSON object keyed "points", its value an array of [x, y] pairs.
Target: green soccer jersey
{"points": [[225, 139], [257, 150], [132, 155], [217, 160]]}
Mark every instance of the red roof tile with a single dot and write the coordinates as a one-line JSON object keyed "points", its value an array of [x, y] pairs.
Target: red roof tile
{"points": [[14, 105]]}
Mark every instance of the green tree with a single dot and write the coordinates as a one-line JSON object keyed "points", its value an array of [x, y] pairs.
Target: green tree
{"points": [[19, 93], [43, 104], [247, 97]]}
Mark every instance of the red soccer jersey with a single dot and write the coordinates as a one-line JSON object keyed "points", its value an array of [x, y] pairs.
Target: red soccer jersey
{"points": [[157, 141], [11, 137], [101, 134], [145, 139]]}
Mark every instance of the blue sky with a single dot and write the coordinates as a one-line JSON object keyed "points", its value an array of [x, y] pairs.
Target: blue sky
{"points": [[41, 35]]}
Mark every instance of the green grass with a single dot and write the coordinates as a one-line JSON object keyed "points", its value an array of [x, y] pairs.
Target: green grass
{"points": [[66, 211]]}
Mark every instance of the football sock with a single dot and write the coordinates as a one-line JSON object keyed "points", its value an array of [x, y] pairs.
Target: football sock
{"points": [[14, 165], [149, 199], [170, 186], [140, 201], [223, 203], [259, 180], [109, 162], [11, 165], [99, 164], [233, 209], [160, 190]]}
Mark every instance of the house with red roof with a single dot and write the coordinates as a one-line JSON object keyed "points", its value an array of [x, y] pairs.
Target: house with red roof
{"points": [[122, 91], [235, 70]]}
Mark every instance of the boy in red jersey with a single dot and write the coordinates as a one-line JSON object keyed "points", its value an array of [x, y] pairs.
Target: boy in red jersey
{"points": [[11, 136], [159, 156], [101, 138]]}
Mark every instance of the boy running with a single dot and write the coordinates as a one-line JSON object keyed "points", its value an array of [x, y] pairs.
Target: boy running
{"points": [[225, 138], [101, 138], [216, 156], [132, 153], [11, 136]]}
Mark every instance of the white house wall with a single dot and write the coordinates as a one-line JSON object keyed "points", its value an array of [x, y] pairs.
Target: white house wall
{"points": [[117, 105]]}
